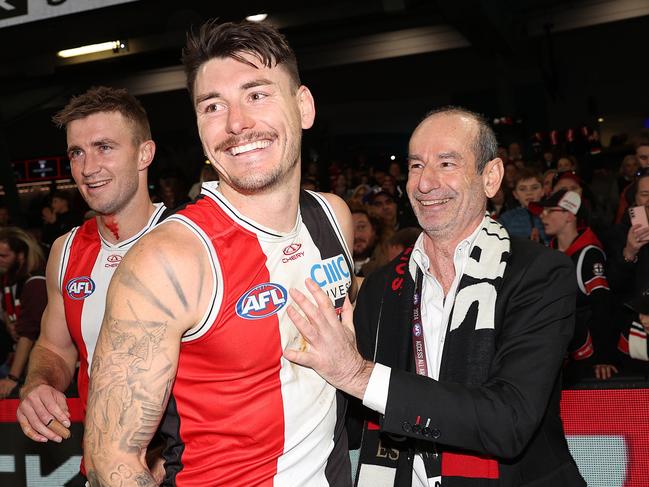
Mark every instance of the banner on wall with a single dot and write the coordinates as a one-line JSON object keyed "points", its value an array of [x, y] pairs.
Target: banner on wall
{"points": [[14, 12]]}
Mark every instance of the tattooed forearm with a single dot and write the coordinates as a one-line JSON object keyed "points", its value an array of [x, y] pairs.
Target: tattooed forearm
{"points": [[130, 280], [131, 380], [120, 477]]}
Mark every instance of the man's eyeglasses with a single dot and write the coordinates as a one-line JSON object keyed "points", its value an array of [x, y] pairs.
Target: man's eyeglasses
{"points": [[547, 211]]}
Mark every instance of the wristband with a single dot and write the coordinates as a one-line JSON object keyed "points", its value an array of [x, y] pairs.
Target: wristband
{"points": [[13, 378]]}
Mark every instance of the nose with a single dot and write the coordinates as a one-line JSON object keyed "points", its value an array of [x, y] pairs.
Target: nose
{"points": [[429, 179], [90, 165], [239, 119]]}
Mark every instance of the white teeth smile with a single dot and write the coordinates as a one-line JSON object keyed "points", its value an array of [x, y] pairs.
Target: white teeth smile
{"points": [[97, 185], [434, 202], [240, 149]]}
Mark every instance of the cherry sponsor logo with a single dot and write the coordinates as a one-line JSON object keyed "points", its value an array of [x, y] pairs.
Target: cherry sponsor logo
{"points": [[292, 253], [113, 260], [291, 249], [261, 301], [80, 287]]}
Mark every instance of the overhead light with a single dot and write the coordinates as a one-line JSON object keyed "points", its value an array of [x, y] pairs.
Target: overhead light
{"points": [[600, 119], [114, 46], [392, 158], [257, 17]]}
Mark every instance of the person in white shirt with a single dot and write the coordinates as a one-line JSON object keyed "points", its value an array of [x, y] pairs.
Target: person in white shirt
{"points": [[460, 343]]}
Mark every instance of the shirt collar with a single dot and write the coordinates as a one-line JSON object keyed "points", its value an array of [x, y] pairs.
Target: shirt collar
{"points": [[421, 260]]}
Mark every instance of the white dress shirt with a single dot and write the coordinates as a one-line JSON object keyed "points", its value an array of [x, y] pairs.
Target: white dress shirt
{"points": [[435, 313]]}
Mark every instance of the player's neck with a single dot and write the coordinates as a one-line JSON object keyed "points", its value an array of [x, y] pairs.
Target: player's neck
{"points": [[275, 209], [126, 223]]}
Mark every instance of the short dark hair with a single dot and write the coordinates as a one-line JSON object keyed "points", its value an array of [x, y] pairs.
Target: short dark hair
{"points": [[355, 208], [485, 145], [100, 99], [232, 40], [527, 173], [21, 242]]}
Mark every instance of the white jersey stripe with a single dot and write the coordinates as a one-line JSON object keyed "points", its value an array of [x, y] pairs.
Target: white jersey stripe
{"points": [[65, 256]]}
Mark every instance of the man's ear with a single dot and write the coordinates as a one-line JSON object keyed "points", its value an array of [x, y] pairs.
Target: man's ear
{"points": [[146, 154], [306, 104], [492, 176]]}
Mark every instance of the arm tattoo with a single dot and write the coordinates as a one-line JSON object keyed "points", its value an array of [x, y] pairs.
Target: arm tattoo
{"points": [[132, 281], [171, 275], [130, 388]]}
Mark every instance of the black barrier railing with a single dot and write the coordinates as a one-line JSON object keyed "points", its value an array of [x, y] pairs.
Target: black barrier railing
{"points": [[606, 424]]}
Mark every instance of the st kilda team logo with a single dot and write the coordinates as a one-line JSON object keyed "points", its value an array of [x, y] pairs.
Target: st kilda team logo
{"points": [[261, 301], [80, 287]]}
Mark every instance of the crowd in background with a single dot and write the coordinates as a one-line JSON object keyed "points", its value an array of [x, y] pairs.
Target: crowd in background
{"points": [[610, 254]]}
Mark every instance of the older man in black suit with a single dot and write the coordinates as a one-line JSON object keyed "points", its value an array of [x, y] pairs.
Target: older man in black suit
{"points": [[461, 339]]}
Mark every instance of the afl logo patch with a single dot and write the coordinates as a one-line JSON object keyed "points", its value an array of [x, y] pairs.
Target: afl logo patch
{"points": [[80, 287], [291, 249], [261, 301]]}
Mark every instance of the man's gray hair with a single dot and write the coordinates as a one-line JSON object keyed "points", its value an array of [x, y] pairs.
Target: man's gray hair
{"points": [[485, 145]]}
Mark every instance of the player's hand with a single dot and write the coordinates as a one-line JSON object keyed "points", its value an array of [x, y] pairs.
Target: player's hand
{"points": [[6, 386], [39, 406], [605, 371], [330, 342]]}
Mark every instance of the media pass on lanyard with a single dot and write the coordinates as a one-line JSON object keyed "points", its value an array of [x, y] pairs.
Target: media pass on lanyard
{"points": [[432, 460]]}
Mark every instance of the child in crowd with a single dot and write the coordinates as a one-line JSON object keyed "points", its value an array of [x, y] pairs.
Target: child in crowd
{"points": [[519, 222]]}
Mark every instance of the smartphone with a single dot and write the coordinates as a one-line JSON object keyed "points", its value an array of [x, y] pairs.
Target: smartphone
{"points": [[638, 216]]}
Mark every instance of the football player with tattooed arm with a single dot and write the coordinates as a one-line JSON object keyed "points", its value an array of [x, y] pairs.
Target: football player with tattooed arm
{"points": [[196, 317], [110, 149]]}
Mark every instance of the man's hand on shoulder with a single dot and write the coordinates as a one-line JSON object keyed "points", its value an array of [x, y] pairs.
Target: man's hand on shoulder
{"points": [[330, 347]]}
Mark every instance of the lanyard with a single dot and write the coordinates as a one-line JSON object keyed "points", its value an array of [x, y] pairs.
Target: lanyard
{"points": [[432, 460], [418, 345]]}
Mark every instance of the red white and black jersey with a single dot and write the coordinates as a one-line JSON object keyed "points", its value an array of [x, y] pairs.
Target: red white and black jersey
{"points": [[87, 264], [239, 413], [593, 322]]}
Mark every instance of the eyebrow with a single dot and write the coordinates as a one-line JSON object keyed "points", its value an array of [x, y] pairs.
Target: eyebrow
{"points": [[442, 155], [96, 143], [246, 86]]}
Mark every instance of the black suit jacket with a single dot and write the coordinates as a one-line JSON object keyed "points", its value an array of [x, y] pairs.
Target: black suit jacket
{"points": [[514, 415]]}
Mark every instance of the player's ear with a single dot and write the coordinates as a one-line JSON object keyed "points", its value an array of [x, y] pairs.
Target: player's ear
{"points": [[307, 106], [146, 154]]}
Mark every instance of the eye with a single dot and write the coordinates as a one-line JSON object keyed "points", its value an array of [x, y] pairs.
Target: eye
{"points": [[74, 154], [104, 148], [412, 165], [214, 107], [257, 95]]}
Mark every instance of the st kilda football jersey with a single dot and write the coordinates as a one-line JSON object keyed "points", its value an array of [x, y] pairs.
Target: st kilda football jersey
{"points": [[239, 413], [87, 264]]}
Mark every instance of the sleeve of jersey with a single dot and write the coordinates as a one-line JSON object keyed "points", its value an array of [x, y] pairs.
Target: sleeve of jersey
{"points": [[603, 330], [593, 273]]}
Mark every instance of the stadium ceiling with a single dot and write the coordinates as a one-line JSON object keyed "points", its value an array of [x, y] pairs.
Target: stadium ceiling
{"points": [[323, 33]]}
